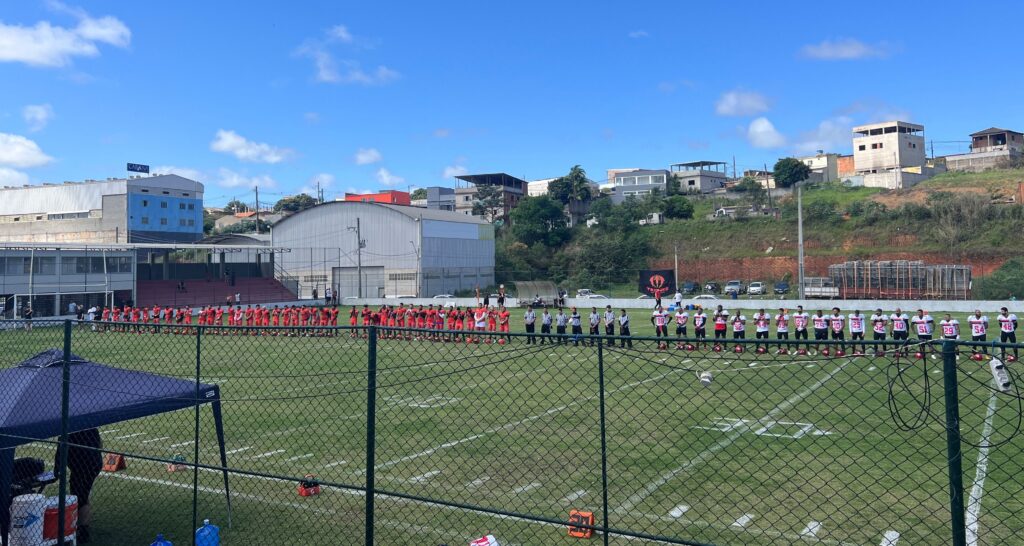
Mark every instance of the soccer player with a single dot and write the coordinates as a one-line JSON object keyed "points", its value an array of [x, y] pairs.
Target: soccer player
{"points": [[576, 321], [682, 317], [609, 325], [950, 328], [624, 331], [739, 325], [781, 328], [721, 319], [837, 324], [530, 322], [595, 325], [503, 326], [900, 323], [480, 318], [924, 325], [492, 319], [561, 320], [857, 332], [762, 324], [879, 322], [1007, 331], [800, 321], [820, 323], [979, 329], [659, 318], [545, 326], [700, 322]]}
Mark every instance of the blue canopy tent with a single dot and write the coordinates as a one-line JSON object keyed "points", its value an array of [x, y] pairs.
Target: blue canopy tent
{"points": [[30, 406]]}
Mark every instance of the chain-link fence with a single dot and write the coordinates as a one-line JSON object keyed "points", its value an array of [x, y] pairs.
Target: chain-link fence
{"points": [[394, 436]]}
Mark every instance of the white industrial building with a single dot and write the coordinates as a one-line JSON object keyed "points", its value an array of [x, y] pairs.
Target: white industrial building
{"points": [[405, 251]]}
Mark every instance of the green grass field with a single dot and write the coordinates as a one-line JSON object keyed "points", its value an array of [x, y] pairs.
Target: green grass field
{"points": [[777, 450]]}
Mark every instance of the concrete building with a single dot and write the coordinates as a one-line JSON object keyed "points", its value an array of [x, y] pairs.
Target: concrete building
{"points": [[700, 176], [845, 166], [512, 190], [250, 216], [140, 209], [765, 178], [536, 188], [439, 198], [50, 277], [890, 154], [405, 251], [990, 149], [824, 166], [391, 197], [639, 183]]}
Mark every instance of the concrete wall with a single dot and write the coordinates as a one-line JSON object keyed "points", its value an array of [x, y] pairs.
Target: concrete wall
{"points": [[106, 225], [979, 161], [908, 149]]}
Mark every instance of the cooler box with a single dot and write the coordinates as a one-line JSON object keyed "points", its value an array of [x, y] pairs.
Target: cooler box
{"points": [[70, 520]]}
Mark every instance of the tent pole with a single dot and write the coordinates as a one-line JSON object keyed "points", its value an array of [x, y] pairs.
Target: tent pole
{"points": [[195, 439], [64, 429], [6, 471], [219, 424]]}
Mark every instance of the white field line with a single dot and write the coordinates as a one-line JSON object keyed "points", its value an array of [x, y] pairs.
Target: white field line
{"points": [[734, 435], [155, 440], [812, 529], [424, 477], [111, 431], [190, 442], [574, 496], [525, 488], [239, 450], [678, 511], [974, 501], [332, 465], [890, 538], [126, 436], [478, 482], [743, 520], [513, 424], [299, 457], [268, 454]]}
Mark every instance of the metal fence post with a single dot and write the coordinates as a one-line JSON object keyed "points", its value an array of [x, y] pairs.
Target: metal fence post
{"points": [[604, 442], [954, 454], [65, 404], [195, 439], [371, 428]]}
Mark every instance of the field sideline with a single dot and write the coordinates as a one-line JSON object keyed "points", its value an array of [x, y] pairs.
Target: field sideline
{"points": [[779, 449]]}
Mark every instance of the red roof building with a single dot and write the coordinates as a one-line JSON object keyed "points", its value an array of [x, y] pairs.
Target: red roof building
{"points": [[389, 197]]}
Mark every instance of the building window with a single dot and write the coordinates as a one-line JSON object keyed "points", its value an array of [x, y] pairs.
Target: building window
{"points": [[163, 204], [181, 206], [17, 218], [145, 202], [45, 266], [145, 220], [181, 222], [881, 145], [166, 193], [145, 191], [163, 221], [191, 206], [692, 182], [191, 223], [39, 217], [185, 194]]}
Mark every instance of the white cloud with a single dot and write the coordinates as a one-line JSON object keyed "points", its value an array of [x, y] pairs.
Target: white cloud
{"points": [[311, 117], [762, 134], [385, 177], [638, 34], [11, 177], [340, 33], [452, 171], [844, 49], [741, 103], [831, 134], [442, 132], [358, 191], [344, 71], [230, 179], [367, 156], [37, 116], [45, 44], [187, 172], [230, 142], [324, 179], [18, 151]]}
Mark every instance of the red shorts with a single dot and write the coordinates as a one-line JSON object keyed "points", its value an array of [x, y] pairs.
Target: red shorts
{"points": [[458, 325], [504, 327]]}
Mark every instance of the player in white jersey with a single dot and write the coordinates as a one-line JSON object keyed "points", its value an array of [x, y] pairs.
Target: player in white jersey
{"points": [[900, 323], [924, 324], [1007, 330], [609, 325], [682, 317], [950, 328], [659, 318], [978, 324], [739, 325], [781, 328], [700, 323], [879, 322], [762, 324], [595, 325], [857, 331], [820, 323], [800, 321], [837, 326]]}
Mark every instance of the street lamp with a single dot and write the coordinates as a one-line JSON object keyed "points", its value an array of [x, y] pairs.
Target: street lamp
{"points": [[419, 266], [800, 238], [359, 255]]}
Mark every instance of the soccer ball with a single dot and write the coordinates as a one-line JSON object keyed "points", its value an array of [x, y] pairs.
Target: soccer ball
{"points": [[738, 349], [501, 341], [919, 355], [824, 352], [977, 357]]}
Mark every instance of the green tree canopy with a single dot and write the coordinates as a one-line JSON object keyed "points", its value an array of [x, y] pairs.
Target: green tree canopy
{"points": [[490, 199], [235, 206], [418, 193], [678, 207], [789, 171], [295, 203], [539, 220], [574, 186]]}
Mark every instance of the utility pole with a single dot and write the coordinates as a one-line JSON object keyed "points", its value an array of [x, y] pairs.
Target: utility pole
{"points": [[675, 271], [800, 239], [734, 166], [768, 188], [359, 255], [257, 210]]}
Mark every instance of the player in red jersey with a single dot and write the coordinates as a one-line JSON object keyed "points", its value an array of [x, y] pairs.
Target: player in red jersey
{"points": [[492, 319], [503, 325]]}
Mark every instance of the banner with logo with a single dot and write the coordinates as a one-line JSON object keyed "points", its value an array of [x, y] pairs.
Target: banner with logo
{"points": [[656, 283]]}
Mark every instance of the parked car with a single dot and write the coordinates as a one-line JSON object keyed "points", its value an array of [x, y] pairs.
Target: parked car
{"points": [[690, 287], [756, 288], [782, 287], [597, 297], [735, 286], [712, 287], [584, 293], [705, 297], [443, 296]]}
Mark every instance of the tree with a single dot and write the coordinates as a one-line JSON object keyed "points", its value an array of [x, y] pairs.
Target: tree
{"points": [[235, 206], [490, 199], [295, 203], [789, 171], [559, 190], [539, 220], [574, 186], [418, 193], [673, 185], [248, 226], [209, 223], [678, 207]]}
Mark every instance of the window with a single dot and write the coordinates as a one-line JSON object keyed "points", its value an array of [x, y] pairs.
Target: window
{"points": [[692, 182], [181, 206], [861, 148], [191, 206], [163, 204], [17, 218], [145, 202], [39, 217], [912, 145], [17, 266], [145, 191], [191, 222], [181, 222], [881, 145], [166, 193], [163, 221], [185, 194], [145, 220], [45, 266]]}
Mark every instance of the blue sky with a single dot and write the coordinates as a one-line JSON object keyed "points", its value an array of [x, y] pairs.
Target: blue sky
{"points": [[365, 96]]}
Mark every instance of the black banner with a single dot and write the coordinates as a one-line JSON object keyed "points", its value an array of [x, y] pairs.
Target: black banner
{"points": [[137, 168], [657, 282]]}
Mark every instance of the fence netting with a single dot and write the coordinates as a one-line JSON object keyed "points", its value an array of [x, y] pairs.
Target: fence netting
{"points": [[458, 435]]}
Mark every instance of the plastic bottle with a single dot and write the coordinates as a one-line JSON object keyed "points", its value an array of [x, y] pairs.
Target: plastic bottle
{"points": [[161, 541], [208, 534]]}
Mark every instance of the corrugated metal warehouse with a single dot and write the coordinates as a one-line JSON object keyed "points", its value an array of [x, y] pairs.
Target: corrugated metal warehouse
{"points": [[406, 251]]}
